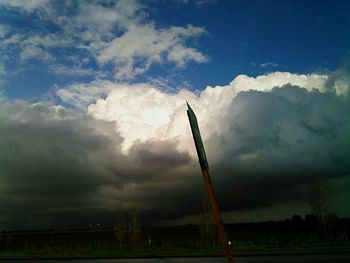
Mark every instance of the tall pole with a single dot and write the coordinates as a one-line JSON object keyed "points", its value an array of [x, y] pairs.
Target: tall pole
{"points": [[207, 182]]}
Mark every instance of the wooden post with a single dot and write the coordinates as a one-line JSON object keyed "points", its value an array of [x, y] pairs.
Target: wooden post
{"points": [[217, 215], [208, 185]]}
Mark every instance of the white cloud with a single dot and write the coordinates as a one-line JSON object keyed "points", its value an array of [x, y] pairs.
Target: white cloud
{"points": [[13, 39], [144, 112], [275, 79], [47, 41], [118, 33], [101, 19], [202, 3], [34, 52], [2, 69], [181, 55], [3, 31], [27, 5], [146, 45], [82, 95], [268, 64], [75, 70], [2, 74]]}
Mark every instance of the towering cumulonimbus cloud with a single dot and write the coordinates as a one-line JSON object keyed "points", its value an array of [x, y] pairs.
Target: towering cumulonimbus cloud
{"points": [[279, 129], [143, 112], [266, 138]]}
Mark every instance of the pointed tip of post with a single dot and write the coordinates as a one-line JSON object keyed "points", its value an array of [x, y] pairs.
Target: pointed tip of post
{"points": [[188, 105]]}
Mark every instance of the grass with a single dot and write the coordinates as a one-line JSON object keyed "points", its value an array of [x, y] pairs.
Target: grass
{"points": [[58, 251], [268, 237]]}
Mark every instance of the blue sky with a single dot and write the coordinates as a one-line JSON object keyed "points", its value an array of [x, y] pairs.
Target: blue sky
{"points": [[295, 36], [238, 37]]}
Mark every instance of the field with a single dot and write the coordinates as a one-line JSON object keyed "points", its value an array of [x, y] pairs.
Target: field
{"points": [[295, 235]]}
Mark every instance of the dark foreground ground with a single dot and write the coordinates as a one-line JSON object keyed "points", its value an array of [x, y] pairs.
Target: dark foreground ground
{"points": [[329, 258], [295, 240]]}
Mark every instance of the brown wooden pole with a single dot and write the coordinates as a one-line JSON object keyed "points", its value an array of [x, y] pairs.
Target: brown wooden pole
{"points": [[217, 215], [208, 185]]}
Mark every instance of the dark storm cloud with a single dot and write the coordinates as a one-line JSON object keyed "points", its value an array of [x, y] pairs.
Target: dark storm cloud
{"points": [[164, 182], [277, 142], [159, 153], [50, 159], [56, 163]]}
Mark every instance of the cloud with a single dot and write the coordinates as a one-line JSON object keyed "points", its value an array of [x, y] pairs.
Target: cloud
{"points": [[34, 52], [145, 45], [82, 95], [2, 73], [76, 70], [150, 114], [50, 159], [181, 55], [277, 142], [266, 138], [28, 5], [57, 162], [162, 117], [339, 81], [118, 36], [197, 3], [100, 19], [268, 64], [253, 128]]}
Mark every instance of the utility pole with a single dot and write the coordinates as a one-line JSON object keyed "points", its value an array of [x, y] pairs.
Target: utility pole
{"points": [[207, 182]]}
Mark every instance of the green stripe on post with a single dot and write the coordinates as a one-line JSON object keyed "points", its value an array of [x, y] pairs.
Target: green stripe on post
{"points": [[197, 138]]}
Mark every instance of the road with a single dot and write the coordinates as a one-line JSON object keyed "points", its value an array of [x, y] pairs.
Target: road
{"points": [[329, 258]]}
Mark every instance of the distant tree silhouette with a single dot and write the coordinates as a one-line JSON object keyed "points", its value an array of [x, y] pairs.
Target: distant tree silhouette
{"points": [[119, 231], [321, 205], [310, 219], [297, 219], [2, 235], [207, 224], [135, 230]]}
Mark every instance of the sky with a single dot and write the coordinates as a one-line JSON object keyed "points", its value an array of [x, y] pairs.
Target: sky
{"points": [[93, 108]]}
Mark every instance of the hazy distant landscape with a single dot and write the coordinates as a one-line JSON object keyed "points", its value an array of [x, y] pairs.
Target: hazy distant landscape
{"points": [[292, 235]]}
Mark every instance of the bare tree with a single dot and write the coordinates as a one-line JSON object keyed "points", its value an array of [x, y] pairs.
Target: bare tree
{"points": [[207, 224], [119, 227], [321, 204], [135, 230]]}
